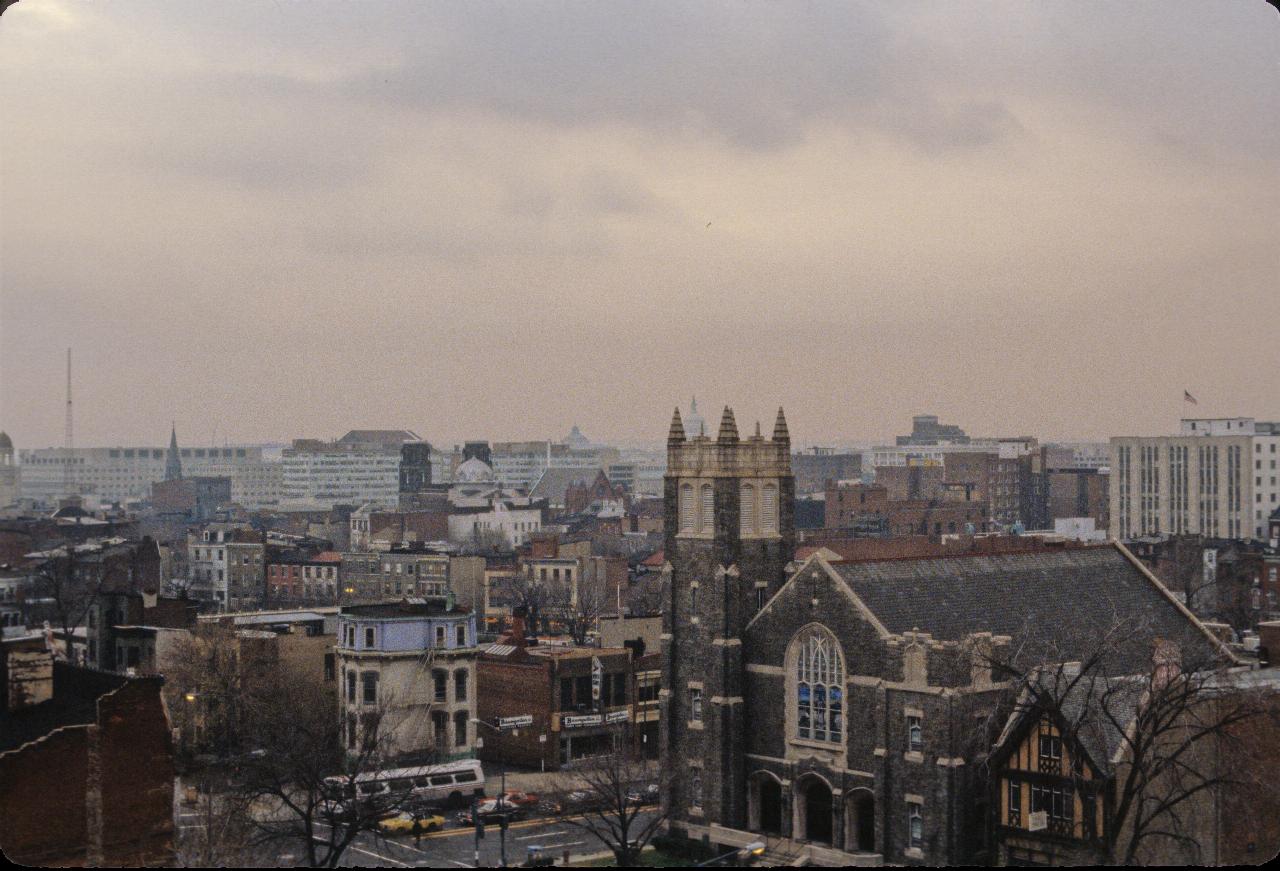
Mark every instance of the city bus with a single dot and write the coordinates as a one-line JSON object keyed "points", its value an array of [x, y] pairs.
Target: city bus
{"points": [[453, 783]]}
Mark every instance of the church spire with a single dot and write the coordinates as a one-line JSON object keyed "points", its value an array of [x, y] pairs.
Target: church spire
{"points": [[676, 433], [728, 427], [172, 464], [780, 433]]}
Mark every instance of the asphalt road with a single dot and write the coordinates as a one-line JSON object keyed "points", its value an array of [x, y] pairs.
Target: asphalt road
{"points": [[455, 847]]}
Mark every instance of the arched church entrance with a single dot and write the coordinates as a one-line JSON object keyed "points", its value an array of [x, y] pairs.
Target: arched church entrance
{"points": [[767, 796], [860, 822], [815, 809]]}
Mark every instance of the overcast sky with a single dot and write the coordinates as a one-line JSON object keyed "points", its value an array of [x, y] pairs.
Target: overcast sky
{"points": [[476, 220]]}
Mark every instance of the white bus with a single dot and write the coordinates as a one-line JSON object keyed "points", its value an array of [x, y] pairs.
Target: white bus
{"points": [[453, 783]]}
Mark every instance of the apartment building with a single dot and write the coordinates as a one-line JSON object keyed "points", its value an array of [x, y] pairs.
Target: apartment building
{"points": [[350, 471]]}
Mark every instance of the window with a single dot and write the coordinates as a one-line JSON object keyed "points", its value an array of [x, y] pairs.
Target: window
{"points": [[566, 694], [1015, 803], [915, 735], [439, 636], [1050, 753], [329, 671], [1057, 802], [370, 679], [706, 520], [769, 508], [460, 729], [368, 636], [686, 508], [441, 685], [695, 789], [351, 686], [915, 825], [460, 686], [462, 636], [695, 704], [819, 686], [747, 509], [760, 598]]}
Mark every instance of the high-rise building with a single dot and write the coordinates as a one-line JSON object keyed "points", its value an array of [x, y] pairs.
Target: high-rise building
{"points": [[1217, 477]]}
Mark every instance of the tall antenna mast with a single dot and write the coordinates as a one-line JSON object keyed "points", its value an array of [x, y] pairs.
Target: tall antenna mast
{"points": [[68, 476]]}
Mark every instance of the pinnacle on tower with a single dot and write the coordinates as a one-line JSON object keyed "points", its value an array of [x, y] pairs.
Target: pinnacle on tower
{"points": [[780, 433], [728, 427], [676, 433]]}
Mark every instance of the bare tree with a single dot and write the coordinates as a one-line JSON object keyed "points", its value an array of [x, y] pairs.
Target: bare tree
{"points": [[1156, 733], [619, 806], [303, 784], [68, 583], [575, 608], [648, 594]]}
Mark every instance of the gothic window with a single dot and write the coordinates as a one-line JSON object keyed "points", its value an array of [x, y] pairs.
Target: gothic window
{"points": [[769, 508], [747, 509], [818, 694], [915, 825], [708, 508], [686, 508]]}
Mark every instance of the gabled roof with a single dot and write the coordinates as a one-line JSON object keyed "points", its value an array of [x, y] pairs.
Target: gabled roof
{"points": [[555, 481], [1053, 604]]}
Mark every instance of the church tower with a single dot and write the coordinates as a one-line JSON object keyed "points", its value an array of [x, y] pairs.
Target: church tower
{"points": [[172, 462], [730, 533]]}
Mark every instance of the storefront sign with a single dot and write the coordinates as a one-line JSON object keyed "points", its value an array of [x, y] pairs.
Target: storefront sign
{"points": [[515, 722], [580, 720], [618, 717]]}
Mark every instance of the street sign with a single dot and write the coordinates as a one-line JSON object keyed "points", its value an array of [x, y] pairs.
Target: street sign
{"points": [[581, 720], [618, 717], [515, 722]]}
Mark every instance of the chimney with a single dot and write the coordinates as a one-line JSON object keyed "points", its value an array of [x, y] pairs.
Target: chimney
{"points": [[517, 626]]}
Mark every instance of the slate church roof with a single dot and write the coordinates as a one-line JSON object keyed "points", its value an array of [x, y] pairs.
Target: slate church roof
{"points": [[1055, 605]]}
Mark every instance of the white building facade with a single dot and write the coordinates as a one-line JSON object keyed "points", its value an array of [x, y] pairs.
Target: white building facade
{"points": [[414, 662], [319, 475], [122, 473], [1218, 477]]}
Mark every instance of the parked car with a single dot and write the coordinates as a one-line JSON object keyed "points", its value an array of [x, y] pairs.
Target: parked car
{"points": [[408, 823], [649, 795], [520, 799], [490, 812], [577, 802]]}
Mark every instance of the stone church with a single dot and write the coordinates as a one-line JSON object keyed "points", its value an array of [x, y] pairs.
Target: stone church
{"points": [[842, 711]]}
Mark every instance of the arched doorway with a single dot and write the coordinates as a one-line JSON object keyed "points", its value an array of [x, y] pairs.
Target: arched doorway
{"points": [[766, 803], [860, 822], [815, 810]]}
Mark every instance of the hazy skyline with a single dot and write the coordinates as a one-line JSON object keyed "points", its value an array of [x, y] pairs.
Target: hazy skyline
{"points": [[481, 220]]}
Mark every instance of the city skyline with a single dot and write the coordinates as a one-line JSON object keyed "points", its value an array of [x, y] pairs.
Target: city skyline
{"points": [[292, 219]]}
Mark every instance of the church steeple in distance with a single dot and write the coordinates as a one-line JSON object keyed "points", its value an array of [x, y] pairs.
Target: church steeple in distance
{"points": [[172, 463]]}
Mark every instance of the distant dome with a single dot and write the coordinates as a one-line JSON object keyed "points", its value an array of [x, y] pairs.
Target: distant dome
{"points": [[575, 438], [6, 443], [474, 471]]}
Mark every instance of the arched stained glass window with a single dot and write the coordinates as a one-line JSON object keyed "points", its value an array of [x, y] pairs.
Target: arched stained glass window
{"points": [[819, 686]]}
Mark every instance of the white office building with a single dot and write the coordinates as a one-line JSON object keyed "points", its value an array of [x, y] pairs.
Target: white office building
{"points": [[1218, 477]]}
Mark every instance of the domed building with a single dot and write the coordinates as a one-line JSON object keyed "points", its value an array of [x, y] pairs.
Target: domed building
{"points": [[474, 471]]}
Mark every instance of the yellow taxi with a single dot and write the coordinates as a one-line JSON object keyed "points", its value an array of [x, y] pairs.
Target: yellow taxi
{"points": [[408, 823]]}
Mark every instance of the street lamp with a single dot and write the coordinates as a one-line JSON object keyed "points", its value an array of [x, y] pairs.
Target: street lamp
{"points": [[502, 797]]}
